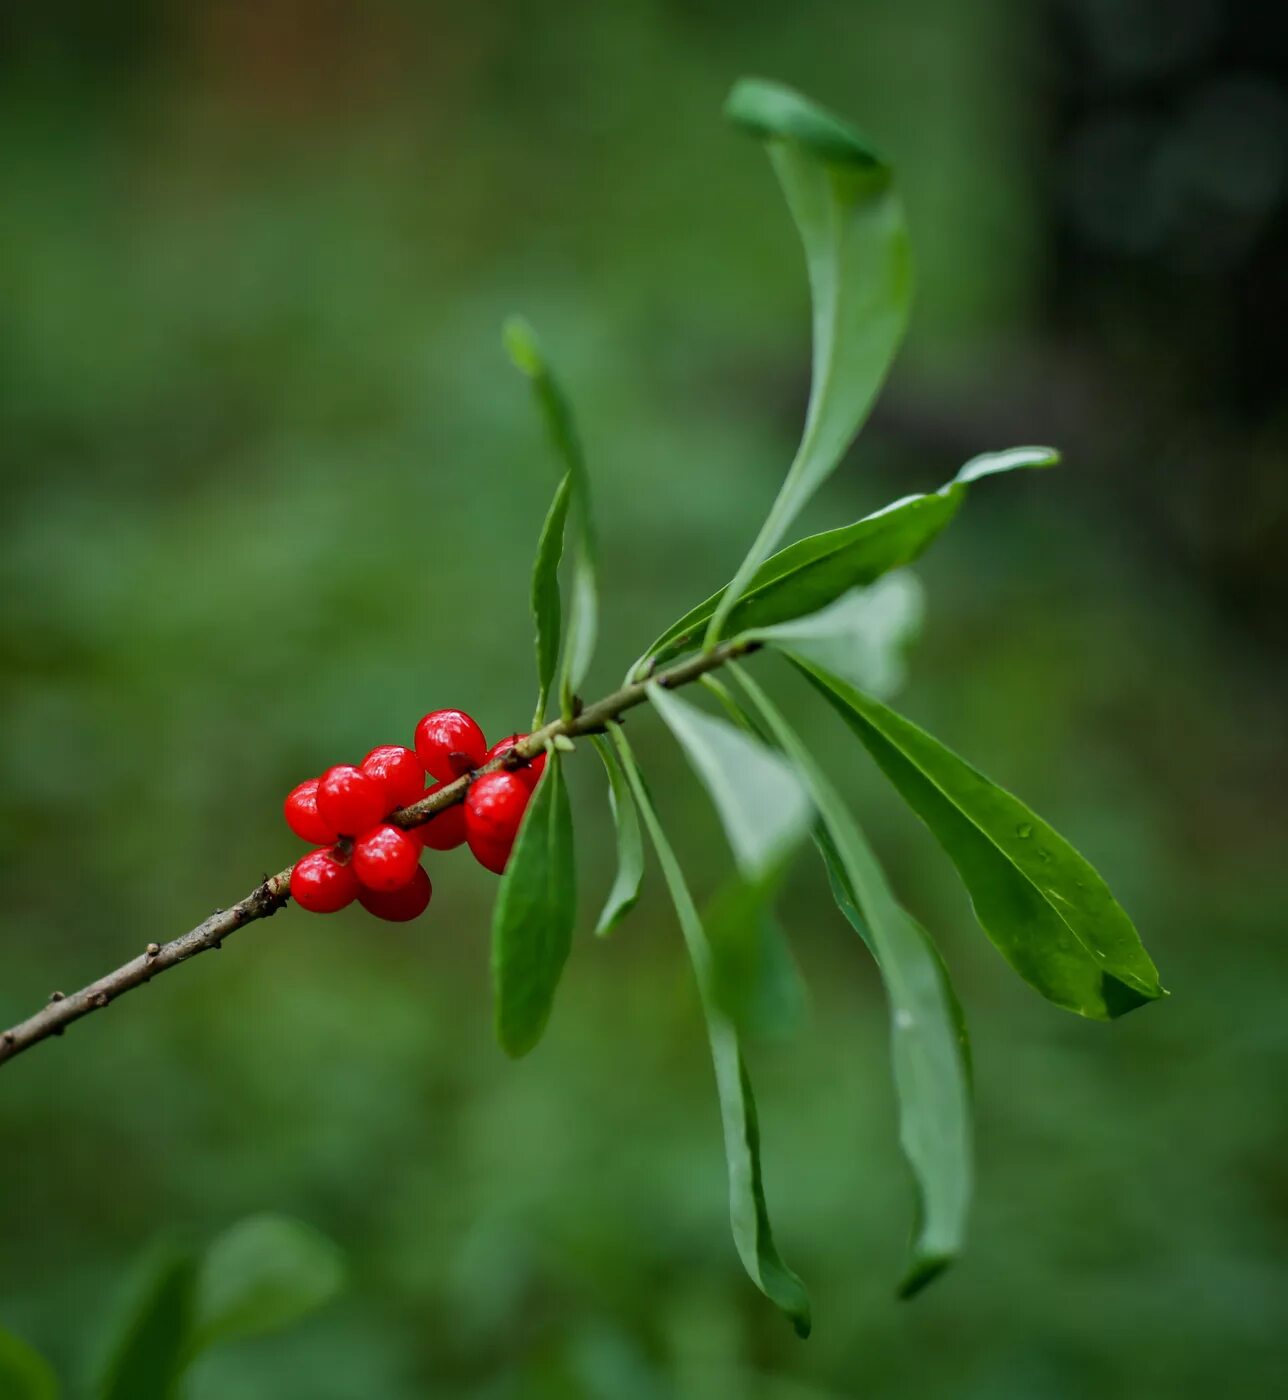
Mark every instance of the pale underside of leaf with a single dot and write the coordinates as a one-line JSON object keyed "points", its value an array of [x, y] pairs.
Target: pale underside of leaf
{"points": [[762, 805], [748, 1212], [625, 891], [927, 1053]]}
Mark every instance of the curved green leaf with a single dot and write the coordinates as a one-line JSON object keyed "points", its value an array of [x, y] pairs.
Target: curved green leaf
{"points": [[863, 637], [812, 572], [1045, 908], [755, 979], [583, 613], [748, 1213], [762, 804], [263, 1274], [850, 219], [151, 1349], [533, 918], [630, 845], [547, 602], [24, 1373], [927, 1052]]}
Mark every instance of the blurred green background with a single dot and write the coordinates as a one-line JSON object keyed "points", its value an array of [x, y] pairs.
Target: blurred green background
{"points": [[271, 493]]}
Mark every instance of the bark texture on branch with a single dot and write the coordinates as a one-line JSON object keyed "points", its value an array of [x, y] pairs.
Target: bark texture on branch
{"points": [[274, 891]]}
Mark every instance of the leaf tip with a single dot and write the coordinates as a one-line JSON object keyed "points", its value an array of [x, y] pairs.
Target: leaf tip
{"points": [[773, 111], [522, 346], [924, 1270]]}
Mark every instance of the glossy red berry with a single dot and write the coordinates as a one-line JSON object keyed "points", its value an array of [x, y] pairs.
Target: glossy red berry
{"points": [[323, 884], [350, 800], [399, 770], [444, 831], [491, 855], [385, 858], [301, 807], [494, 807], [398, 906], [531, 771], [449, 744]]}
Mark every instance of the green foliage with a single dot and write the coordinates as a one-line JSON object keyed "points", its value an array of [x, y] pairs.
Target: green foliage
{"points": [[761, 801], [151, 1348], [583, 614], [839, 607], [812, 572], [850, 219], [1048, 912], [625, 891], [864, 636], [536, 907], [24, 1373], [927, 1037], [264, 1273], [547, 601], [748, 1213]]}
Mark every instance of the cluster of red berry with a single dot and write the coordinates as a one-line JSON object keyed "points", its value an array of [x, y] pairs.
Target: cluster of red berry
{"points": [[364, 856]]}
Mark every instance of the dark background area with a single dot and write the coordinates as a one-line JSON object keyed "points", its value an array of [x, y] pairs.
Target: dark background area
{"points": [[271, 492]]}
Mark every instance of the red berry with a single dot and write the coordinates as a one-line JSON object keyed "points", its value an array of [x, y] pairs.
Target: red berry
{"points": [[401, 772], [302, 817], [322, 884], [449, 744], [350, 800], [444, 831], [398, 906], [494, 807], [491, 855], [385, 858], [530, 772]]}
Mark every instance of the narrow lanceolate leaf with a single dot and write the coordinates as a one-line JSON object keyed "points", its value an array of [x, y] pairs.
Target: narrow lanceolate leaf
{"points": [[761, 802], [151, 1348], [24, 1373], [630, 844], [748, 1212], [1045, 908], [850, 219], [756, 981], [547, 601], [863, 637], [263, 1274], [533, 918], [812, 572], [579, 648], [927, 1035]]}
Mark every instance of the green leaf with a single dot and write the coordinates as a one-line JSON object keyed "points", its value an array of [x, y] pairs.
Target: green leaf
{"points": [[547, 602], [1045, 908], [850, 220], [755, 979], [24, 1373], [261, 1275], [748, 1213], [150, 1351], [930, 1067], [525, 350], [812, 572], [762, 804], [630, 844], [533, 919], [863, 637]]}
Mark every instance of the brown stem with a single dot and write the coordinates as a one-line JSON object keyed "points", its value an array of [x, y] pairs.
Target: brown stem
{"points": [[273, 892]]}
